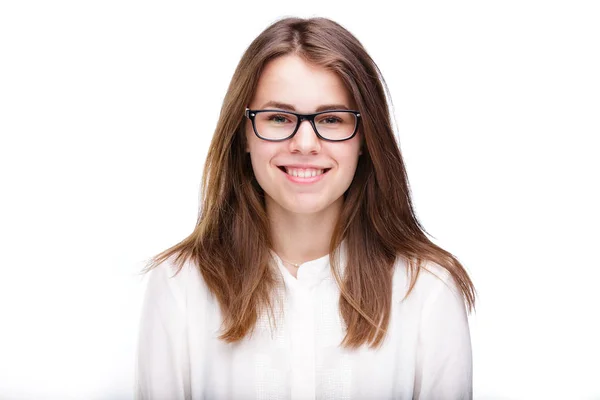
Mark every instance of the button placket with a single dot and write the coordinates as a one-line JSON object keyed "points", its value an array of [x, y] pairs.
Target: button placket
{"points": [[303, 345]]}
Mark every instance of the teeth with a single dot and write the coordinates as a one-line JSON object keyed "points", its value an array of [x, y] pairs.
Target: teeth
{"points": [[303, 173]]}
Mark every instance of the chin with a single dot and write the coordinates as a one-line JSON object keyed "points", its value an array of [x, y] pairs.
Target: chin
{"points": [[305, 206], [306, 211]]}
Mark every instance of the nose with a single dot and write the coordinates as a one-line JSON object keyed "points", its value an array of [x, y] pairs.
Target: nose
{"points": [[305, 140]]}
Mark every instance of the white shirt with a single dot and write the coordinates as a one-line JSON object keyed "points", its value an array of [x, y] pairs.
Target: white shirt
{"points": [[426, 353]]}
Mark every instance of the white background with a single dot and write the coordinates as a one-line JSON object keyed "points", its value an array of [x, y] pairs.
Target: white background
{"points": [[107, 110]]}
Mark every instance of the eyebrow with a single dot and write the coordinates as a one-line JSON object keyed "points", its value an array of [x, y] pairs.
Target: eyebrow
{"points": [[285, 106]]}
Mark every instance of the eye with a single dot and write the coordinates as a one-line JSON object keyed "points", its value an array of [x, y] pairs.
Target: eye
{"points": [[278, 118], [330, 119]]}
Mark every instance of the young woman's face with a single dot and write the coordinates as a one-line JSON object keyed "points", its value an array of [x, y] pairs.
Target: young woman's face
{"points": [[307, 88]]}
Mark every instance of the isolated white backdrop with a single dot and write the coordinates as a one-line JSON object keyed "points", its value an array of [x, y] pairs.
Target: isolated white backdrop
{"points": [[107, 110]]}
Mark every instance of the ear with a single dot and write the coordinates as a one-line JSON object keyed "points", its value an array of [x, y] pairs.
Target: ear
{"points": [[362, 143], [245, 144]]}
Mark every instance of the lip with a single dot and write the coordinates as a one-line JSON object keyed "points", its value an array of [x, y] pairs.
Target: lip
{"points": [[308, 180], [303, 166]]}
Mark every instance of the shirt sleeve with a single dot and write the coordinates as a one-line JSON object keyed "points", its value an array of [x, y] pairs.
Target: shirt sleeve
{"points": [[161, 363], [444, 359]]}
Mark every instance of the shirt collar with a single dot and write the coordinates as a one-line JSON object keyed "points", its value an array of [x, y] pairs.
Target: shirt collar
{"points": [[312, 272]]}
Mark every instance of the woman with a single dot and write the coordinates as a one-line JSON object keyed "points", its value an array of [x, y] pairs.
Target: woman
{"points": [[307, 275]]}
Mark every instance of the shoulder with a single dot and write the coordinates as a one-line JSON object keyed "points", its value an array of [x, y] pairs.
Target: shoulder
{"points": [[169, 283], [176, 300], [431, 281], [434, 314]]}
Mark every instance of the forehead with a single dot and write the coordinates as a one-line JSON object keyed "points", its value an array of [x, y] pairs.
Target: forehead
{"points": [[291, 80]]}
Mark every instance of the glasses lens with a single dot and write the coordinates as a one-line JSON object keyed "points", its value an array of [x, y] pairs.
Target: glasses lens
{"points": [[336, 125], [275, 124]]}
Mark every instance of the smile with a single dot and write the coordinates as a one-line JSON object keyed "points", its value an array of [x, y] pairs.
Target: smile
{"points": [[304, 175]]}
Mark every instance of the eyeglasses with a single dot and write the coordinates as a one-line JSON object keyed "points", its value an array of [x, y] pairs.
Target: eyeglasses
{"points": [[277, 125]]}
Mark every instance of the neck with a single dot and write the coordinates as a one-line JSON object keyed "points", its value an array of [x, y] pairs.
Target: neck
{"points": [[298, 238]]}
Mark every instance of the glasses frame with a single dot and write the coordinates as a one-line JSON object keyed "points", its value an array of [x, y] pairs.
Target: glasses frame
{"points": [[251, 114]]}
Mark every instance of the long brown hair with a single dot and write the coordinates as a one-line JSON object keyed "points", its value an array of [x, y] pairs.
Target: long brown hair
{"points": [[230, 244]]}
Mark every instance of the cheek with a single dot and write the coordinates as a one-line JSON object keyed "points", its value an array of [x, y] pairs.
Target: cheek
{"points": [[350, 153], [261, 154]]}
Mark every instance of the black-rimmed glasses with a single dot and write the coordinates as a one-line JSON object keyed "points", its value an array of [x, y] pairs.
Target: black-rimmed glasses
{"points": [[278, 125]]}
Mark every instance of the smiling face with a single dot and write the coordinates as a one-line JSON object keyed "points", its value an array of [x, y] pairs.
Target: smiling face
{"points": [[304, 88]]}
